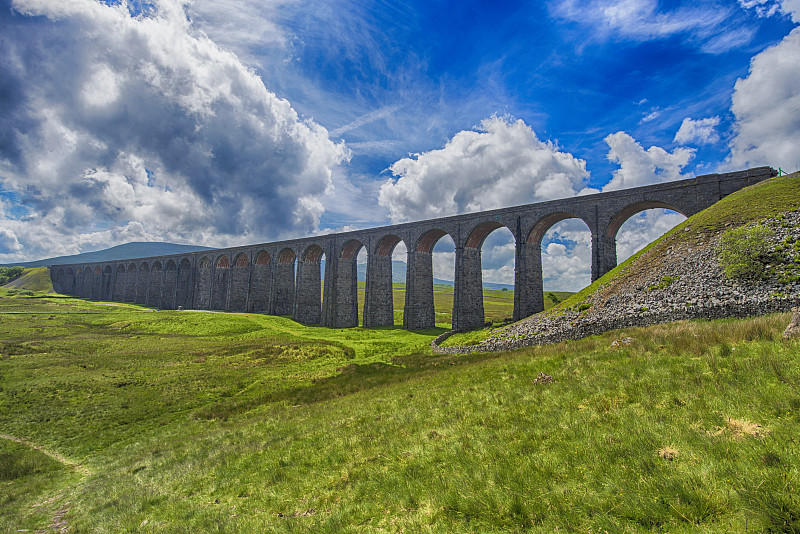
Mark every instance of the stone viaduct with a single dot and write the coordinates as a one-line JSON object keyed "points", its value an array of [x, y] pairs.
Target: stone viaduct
{"points": [[283, 278]]}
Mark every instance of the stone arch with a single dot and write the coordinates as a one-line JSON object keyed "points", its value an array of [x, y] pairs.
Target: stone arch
{"points": [[240, 282], [284, 282], [80, 276], [96, 288], [468, 298], [168, 285], [69, 281], [312, 254], [59, 280], [419, 312], [350, 249], [544, 224], [154, 286], [378, 289], [341, 290], [386, 244], [221, 278], [142, 281], [308, 286], [202, 292], [260, 282], [120, 279], [428, 240], [531, 291], [607, 240], [106, 287], [131, 275], [632, 209], [479, 233], [183, 289]]}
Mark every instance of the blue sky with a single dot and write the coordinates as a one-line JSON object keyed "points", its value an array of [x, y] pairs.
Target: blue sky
{"points": [[229, 122]]}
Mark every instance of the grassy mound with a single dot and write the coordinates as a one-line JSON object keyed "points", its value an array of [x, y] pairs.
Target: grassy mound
{"points": [[32, 279]]}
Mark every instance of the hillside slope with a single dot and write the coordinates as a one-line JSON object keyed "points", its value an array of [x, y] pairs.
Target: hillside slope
{"points": [[35, 279], [679, 276]]}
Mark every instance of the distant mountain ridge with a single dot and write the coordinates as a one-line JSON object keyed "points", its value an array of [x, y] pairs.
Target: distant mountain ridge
{"points": [[126, 251]]}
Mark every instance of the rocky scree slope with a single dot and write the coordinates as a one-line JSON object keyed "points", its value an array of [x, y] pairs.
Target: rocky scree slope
{"points": [[679, 276]]}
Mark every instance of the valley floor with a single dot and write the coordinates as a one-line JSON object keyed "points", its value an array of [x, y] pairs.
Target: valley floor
{"points": [[129, 420]]}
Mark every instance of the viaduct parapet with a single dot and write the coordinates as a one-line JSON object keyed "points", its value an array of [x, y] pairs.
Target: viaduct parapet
{"points": [[284, 278]]}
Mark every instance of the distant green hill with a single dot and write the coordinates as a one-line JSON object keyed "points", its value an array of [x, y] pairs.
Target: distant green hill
{"points": [[33, 279], [120, 252]]}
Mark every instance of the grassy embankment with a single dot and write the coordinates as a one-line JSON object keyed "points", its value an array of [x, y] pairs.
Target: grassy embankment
{"points": [[199, 422]]}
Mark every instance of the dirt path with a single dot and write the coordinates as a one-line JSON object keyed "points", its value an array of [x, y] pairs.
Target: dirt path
{"points": [[54, 455]]}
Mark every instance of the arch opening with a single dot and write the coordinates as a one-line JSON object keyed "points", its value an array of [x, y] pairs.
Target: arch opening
{"points": [[130, 283], [169, 286], [309, 286], [493, 247], [566, 259], [260, 283], [203, 284], [240, 283], [384, 286], [642, 228], [284, 283], [142, 281], [220, 282], [154, 289], [183, 285], [429, 281]]}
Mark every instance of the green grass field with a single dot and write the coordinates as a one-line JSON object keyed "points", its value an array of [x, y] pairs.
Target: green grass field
{"points": [[498, 305], [143, 421]]}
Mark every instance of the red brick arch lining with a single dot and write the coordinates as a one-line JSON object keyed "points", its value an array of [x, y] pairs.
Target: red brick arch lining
{"points": [[386, 245], [429, 240], [313, 254], [351, 248]]}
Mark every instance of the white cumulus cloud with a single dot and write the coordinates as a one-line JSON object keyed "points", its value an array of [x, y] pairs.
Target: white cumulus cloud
{"points": [[114, 120], [643, 167], [699, 132], [500, 164], [766, 106]]}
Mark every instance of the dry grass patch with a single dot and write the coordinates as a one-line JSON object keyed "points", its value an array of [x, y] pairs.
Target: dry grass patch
{"points": [[668, 453]]}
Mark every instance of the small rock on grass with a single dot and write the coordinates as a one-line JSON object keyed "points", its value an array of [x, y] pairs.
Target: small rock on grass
{"points": [[793, 330], [543, 378]]}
